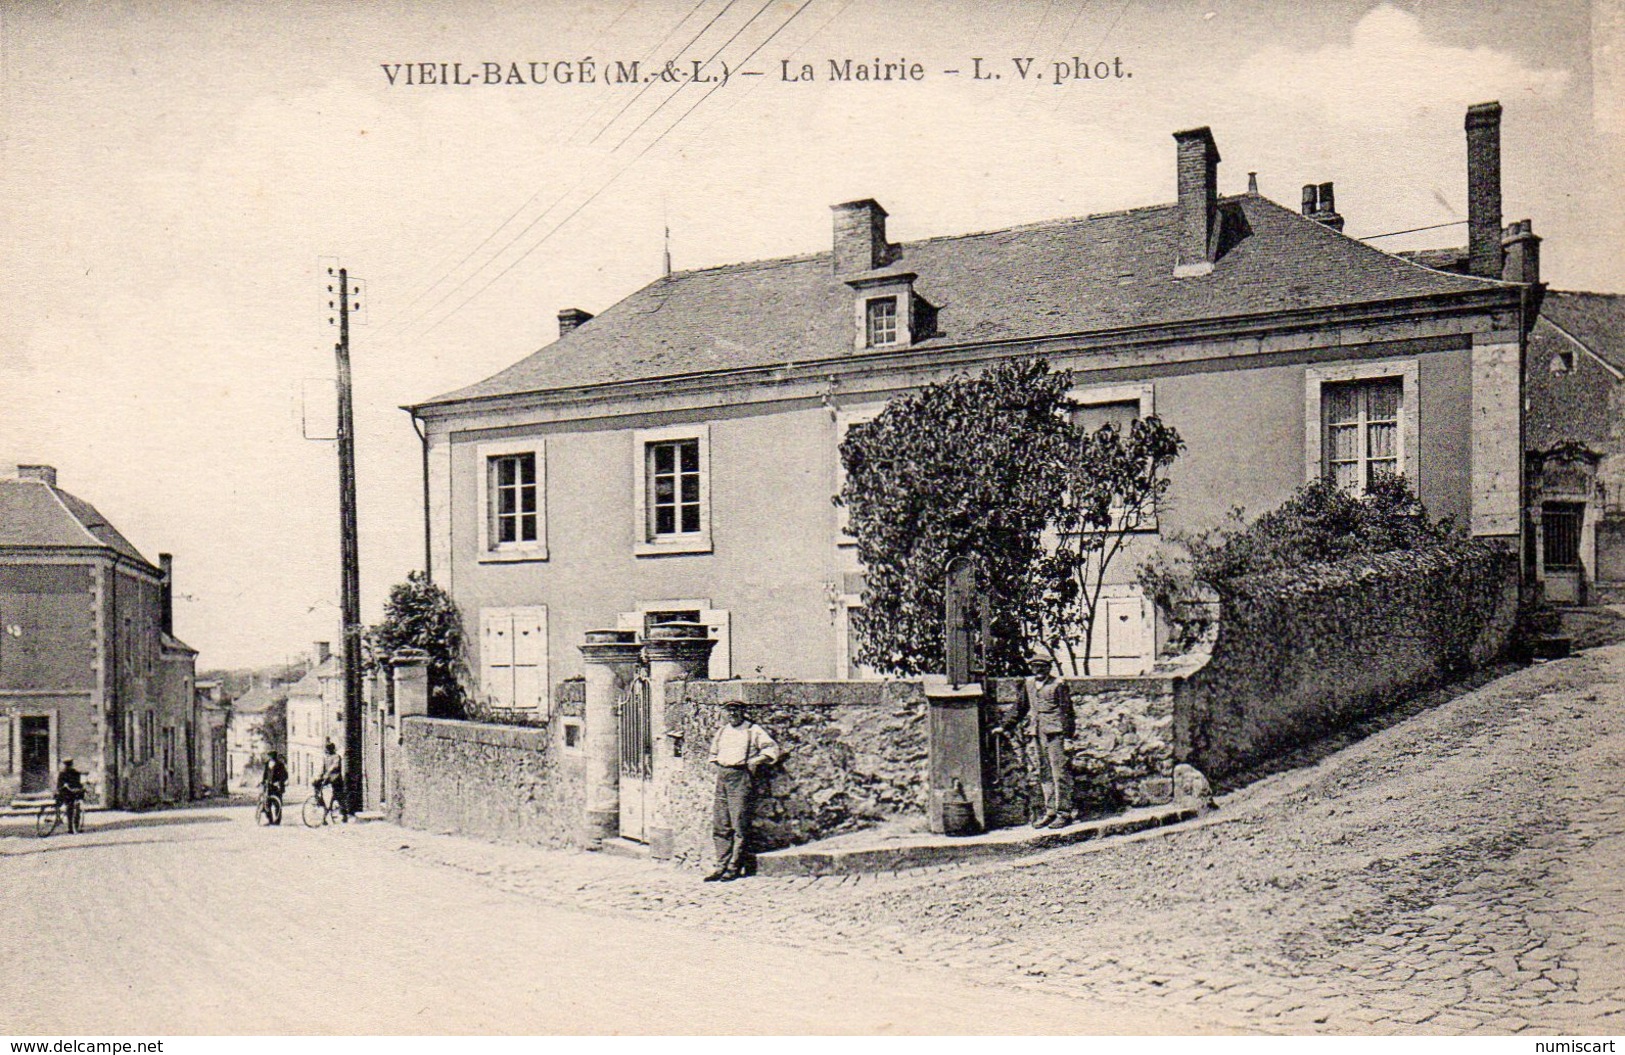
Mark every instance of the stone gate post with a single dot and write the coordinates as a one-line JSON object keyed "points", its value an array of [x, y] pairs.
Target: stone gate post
{"points": [[612, 659], [674, 652]]}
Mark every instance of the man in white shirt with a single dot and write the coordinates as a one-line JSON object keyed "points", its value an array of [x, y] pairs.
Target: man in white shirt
{"points": [[738, 749]]}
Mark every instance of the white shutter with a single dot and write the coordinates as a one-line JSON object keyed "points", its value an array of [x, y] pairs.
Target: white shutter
{"points": [[1126, 635], [530, 659], [496, 656]]}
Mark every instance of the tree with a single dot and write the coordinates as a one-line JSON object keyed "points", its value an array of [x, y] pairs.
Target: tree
{"points": [[272, 727], [421, 615], [1115, 483], [965, 467]]}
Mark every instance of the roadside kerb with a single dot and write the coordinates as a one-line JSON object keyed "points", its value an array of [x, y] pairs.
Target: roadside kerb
{"points": [[925, 850]]}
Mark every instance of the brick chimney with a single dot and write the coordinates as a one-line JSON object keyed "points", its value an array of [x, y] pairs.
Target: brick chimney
{"points": [[1484, 190], [166, 615], [1520, 248], [860, 237], [45, 474], [570, 318], [1320, 206], [321, 650], [1198, 202]]}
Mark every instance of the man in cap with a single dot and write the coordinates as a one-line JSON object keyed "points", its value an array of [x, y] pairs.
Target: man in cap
{"points": [[738, 750], [70, 791], [1047, 705]]}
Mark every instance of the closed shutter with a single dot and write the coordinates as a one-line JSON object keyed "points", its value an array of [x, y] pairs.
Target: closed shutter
{"points": [[496, 654], [513, 658], [530, 659]]}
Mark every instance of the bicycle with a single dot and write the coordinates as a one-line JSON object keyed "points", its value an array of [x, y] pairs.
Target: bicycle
{"points": [[53, 815], [318, 811], [268, 810]]}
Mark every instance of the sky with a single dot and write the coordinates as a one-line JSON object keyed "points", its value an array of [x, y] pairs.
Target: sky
{"points": [[175, 176]]}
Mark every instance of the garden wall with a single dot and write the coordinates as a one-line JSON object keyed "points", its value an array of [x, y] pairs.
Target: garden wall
{"points": [[506, 783], [1300, 654], [855, 756], [1123, 753]]}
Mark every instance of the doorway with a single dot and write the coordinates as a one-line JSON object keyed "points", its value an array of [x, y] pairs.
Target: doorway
{"points": [[35, 733]]}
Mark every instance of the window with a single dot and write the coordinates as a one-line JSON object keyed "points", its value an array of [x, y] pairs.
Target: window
{"points": [[513, 501], [1119, 406], [672, 490], [882, 322], [1560, 524], [1119, 414], [844, 420], [693, 610], [1360, 418], [513, 494], [513, 658], [1362, 422]]}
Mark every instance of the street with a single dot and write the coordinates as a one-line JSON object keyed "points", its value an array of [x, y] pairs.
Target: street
{"points": [[1455, 871]]}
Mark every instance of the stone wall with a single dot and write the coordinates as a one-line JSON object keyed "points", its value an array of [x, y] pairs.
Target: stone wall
{"points": [[506, 783], [1300, 654], [856, 756], [1122, 754]]}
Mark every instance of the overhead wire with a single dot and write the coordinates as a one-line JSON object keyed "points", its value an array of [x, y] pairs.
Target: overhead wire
{"points": [[616, 176]]}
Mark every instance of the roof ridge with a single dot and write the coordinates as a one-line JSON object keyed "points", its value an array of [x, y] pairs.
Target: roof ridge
{"points": [[80, 524], [1034, 225]]}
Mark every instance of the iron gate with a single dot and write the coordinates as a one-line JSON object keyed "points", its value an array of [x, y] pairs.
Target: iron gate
{"points": [[637, 759]]}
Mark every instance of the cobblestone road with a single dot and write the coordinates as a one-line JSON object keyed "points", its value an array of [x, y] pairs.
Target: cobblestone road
{"points": [[1460, 871]]}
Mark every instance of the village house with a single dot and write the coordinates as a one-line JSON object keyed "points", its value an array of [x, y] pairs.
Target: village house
{"points": [[89, 665], [1575, 442], [213, 711], [674, 457], [315, 715], [246, 743]]}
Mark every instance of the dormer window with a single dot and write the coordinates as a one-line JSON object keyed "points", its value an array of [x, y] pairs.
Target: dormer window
{"points": [[882, 322]]}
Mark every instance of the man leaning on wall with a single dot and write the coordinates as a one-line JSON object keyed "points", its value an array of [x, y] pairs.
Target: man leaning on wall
{"points": [[739, 749]]}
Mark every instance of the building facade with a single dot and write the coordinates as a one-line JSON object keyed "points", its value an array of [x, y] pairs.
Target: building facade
{"points": [[1575, 441], [89, 667], [675, 457], [315, 715]]}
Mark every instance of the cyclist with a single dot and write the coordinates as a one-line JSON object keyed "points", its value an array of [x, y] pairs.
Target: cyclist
{"points": [[274, 785], [70, 791], [332, 777]]}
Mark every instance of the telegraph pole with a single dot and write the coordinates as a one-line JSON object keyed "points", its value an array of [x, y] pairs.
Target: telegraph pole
{"points": [[349, 555]]}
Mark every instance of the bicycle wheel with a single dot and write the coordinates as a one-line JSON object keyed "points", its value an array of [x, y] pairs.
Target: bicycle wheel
{"points": [[275, 806], [48, 820], [76, 818], [313, 812], [262, 812]]}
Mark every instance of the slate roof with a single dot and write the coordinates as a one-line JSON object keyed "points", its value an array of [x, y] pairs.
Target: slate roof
{"points": [[1577, 405], [171, 643], [311, 683], [1096, 274], [34, 514], [1596, 320], [260, 697]]}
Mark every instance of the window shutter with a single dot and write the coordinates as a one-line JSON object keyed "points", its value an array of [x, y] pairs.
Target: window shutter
{"points": [[530, 659], [496, 655]]}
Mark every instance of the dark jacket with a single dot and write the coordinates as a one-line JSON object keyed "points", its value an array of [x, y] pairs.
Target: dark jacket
{"points": [[1049, 705], [276, 774], [70, 782]]}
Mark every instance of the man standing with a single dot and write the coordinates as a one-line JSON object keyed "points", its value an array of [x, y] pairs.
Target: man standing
{"points": [[738, 749], [1047, 705]]}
